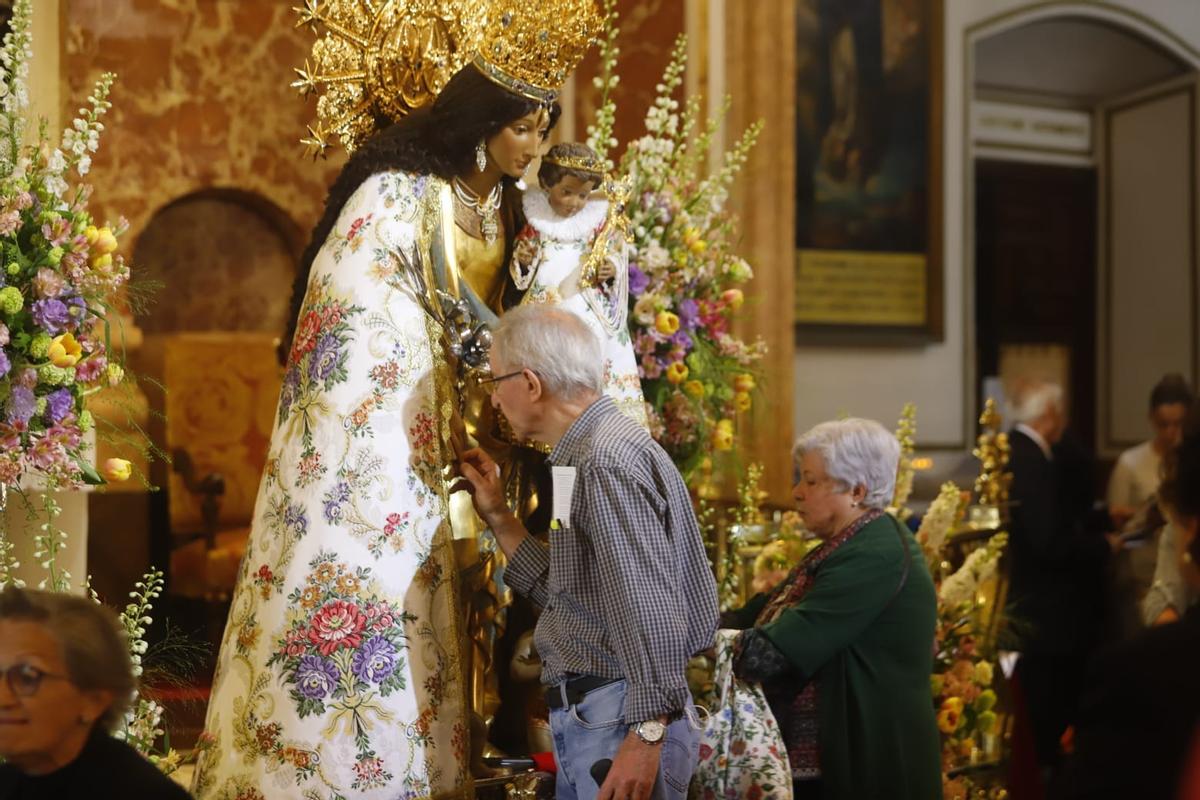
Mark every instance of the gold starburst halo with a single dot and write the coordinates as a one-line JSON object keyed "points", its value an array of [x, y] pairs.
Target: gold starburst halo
{"points": [[381, 58], [386, 58], [531, 48]]}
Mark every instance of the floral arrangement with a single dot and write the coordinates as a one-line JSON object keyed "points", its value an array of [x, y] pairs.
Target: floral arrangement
{"points": [[963, 670], [906, 434], [684, 272], [59, 276]]}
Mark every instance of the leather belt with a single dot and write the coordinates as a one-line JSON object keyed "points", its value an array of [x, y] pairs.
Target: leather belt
{"points": [[576, 688]]}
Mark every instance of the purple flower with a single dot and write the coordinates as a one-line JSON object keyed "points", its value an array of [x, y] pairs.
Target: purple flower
{"points": [[316, 677], [295, 518], [334, 498], [323, 358], [27, 377], [51, 315], [375, 661], [76, 308], [5, 364], [58, 404], [21, 404], [638, 280], [689, 314], [291, 386], [681, 339]]}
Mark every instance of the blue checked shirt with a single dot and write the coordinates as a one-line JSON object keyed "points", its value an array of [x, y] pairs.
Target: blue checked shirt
{"points": [[626, 587]]}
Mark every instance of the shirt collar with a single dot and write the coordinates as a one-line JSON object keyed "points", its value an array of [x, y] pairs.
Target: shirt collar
{"points": [[569, 447], [1038, 439]]}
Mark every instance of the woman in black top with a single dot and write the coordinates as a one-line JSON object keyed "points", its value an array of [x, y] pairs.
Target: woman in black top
{"points": [[66, 680]]}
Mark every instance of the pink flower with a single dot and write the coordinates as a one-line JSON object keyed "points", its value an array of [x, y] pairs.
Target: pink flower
{"points": [[337, 624], [650, 367], [48, 283], [294, 644], [90, 370], [9, 222]]}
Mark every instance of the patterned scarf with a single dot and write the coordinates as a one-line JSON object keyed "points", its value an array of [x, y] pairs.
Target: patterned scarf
{"points": [[797, 713]]}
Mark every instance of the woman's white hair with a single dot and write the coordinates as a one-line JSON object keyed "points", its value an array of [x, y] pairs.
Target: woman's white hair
{"points": [[1032, 399], [555, 344], [856, 452]]}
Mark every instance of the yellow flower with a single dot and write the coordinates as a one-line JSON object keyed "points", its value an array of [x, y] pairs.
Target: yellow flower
{"points": [[733, 298], [986, 722], [986, 701], [984, 673], [954, 704], [722, 438], [694, 388], [677, 373], [117, 470], [947, 720], [90, 233], [666, 323], [727, 424], [64, 351], [102, 263], [104, 243], [743, 382], [741, 401]]}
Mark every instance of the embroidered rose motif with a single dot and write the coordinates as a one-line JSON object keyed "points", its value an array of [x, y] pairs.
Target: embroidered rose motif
{"points": [[337, 624]]}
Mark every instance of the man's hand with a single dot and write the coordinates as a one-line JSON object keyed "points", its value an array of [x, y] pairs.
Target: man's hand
{"points": [[481, 477], [633, 770], [606, 271]]}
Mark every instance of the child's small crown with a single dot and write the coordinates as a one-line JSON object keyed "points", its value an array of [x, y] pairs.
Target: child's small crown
{"points": [[581, 163]]}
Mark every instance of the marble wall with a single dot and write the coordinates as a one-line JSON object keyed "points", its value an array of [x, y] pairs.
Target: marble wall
{"points": [[202, 101], [648, 29]]}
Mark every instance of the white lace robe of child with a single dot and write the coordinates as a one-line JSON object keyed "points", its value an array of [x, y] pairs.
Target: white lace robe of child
{"points": [[554, 276]]}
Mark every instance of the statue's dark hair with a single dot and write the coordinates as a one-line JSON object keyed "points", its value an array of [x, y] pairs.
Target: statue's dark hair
{"points": [[438, 140], [550, 174]]}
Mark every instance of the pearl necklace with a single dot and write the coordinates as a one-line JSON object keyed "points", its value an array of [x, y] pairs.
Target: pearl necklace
{"points": [[485, 208]]}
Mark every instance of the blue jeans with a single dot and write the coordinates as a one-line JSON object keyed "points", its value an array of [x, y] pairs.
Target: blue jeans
{"points": [[594, 728]]}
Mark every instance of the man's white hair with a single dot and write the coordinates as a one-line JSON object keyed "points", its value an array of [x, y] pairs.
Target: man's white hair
{"points": [[1033, 399], [555, 344], [856, 452]]}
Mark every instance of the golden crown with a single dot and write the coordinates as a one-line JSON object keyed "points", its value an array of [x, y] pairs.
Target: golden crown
{"points": [[581, 163], [387, 58], [531, 48]]}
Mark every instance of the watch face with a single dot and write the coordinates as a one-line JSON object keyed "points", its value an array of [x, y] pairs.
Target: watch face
{"points": [[651, 731]]}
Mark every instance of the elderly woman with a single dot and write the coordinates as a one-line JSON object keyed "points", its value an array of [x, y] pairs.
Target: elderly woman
{"points": [[844, 645], [67, 681]]}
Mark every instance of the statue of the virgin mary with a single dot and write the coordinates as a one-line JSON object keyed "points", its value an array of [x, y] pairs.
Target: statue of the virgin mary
{"points": [[345, 670]]}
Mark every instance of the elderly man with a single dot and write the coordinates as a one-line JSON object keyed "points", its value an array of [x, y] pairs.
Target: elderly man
{"points": [[1057, 565], [626, 588]]}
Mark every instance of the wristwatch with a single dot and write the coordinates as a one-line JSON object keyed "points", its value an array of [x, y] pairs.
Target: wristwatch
{"points": [[650, 731]]}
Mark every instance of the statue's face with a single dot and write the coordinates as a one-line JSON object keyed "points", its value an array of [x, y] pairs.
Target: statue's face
{"points": [[569, 195], [518, 143]]}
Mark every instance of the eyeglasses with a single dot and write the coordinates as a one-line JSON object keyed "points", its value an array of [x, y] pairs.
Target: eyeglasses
{"points": [[24, 680], [491, 383]]}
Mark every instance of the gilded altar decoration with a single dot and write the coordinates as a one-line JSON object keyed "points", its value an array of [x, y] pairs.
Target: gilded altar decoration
{"points": [[992, 451], [684, 271], [387, 58]]}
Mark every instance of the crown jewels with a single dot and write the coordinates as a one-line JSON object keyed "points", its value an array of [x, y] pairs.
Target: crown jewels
{"points": [[386, 58], [531, 48], [583, 164]]}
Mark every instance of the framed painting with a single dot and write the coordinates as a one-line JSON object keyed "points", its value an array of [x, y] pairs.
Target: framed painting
{"points": [[868, 170]]}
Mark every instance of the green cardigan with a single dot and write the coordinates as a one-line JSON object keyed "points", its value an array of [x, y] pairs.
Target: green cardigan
{"points": [[871, 652]]}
